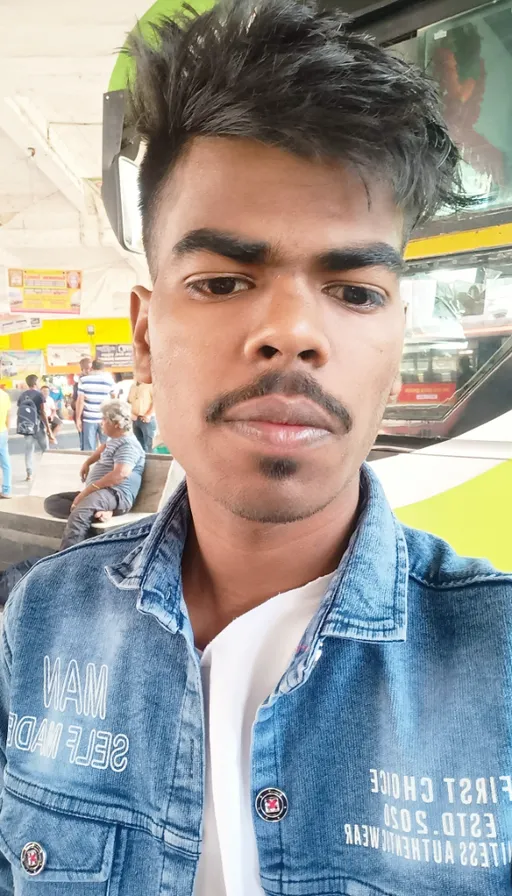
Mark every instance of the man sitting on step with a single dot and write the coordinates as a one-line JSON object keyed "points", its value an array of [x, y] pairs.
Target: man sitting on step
{"points": [[112, 476]]}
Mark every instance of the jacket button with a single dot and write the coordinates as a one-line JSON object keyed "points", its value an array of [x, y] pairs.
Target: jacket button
{"points": [[271, 804], [33, 858]]}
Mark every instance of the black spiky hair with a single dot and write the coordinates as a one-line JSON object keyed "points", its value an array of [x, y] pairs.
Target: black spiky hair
{"points": [[292, 75]]}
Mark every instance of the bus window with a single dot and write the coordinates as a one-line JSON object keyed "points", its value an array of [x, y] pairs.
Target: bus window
{"points": [[470, 56], [456, 369]]}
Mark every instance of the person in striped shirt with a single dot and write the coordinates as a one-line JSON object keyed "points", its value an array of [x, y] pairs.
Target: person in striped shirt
{"points": [[94, 390]]}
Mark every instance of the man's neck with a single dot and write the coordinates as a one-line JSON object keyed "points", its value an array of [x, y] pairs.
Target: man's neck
{"points": [[231, 565]]}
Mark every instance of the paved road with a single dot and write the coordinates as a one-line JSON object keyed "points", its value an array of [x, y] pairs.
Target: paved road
{"points": [[67, 439]]}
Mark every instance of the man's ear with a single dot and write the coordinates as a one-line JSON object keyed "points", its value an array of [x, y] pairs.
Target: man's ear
{"points": [[139, 302]]}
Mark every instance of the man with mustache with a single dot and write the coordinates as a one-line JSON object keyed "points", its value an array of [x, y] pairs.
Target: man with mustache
{"points": [[272, 687]]}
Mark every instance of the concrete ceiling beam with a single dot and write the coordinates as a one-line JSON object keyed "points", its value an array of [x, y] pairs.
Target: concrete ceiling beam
{"points": [[26, 127], [27, 132]]}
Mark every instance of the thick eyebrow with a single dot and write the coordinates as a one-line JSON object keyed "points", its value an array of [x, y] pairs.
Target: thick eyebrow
{"points": [[234, 247], [353, 258]]}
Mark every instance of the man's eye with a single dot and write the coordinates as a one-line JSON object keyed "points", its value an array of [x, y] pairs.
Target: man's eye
{"points": [[219, 286], [357, 296]]}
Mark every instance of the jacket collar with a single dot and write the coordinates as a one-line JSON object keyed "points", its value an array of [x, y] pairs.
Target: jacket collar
{"points": [[367, 598]]}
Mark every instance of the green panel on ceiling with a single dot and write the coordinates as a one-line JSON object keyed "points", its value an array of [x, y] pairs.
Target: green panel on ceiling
{"points": [[160, 9]]}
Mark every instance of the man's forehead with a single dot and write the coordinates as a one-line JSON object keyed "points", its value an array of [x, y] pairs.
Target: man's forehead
{"points": [[267, 194], [238, 169]]}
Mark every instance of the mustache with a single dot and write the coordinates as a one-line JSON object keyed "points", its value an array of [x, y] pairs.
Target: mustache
{"points": [[276, 383]]}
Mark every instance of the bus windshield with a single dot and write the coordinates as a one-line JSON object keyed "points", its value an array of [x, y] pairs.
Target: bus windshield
{"points": [[458, 346]]}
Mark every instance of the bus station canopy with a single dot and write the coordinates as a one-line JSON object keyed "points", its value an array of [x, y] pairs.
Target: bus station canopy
{"points": [[56, 61]]}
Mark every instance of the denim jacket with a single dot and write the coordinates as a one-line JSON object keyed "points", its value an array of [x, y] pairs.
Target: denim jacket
{"points": [[388, 741]]}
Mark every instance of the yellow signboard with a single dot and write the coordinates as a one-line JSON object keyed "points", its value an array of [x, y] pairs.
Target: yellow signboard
{"points": [[37, 290]]}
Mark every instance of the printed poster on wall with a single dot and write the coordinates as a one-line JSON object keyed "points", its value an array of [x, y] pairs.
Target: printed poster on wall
{"points": [[51, 291], [115, 355], [67, 355], [10, 324], [16, 366]]}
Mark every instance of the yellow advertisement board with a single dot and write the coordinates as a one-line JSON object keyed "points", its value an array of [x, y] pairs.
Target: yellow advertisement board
{"points": [[41, 290]]}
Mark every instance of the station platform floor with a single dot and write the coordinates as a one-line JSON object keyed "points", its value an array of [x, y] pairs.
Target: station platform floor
{"points": [[67, 440]]}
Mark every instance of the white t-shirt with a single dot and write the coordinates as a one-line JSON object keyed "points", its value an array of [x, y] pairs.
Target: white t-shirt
{"points": [[240, 668], [50, 407]]}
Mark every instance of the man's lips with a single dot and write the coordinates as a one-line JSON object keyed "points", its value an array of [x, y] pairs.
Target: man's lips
{"points": [[280, 422], [281, 410]]}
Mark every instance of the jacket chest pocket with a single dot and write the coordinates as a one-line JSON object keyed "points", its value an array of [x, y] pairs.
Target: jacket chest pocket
{"points": [[56, 853]]}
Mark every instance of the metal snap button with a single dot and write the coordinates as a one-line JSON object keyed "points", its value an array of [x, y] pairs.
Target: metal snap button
{"points": [[33, 858], [271, 804]]}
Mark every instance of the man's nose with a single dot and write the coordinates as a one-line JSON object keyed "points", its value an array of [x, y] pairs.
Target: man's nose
{"points": [[290, 326]]}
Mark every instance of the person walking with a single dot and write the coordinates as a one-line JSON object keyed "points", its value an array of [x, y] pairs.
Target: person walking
{"points": [[32, 422], [94, 389], [5, 460], [140, 399], [85, 369]]}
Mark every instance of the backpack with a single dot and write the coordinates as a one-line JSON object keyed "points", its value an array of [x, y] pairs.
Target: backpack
{"points": [[28, 420]]}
